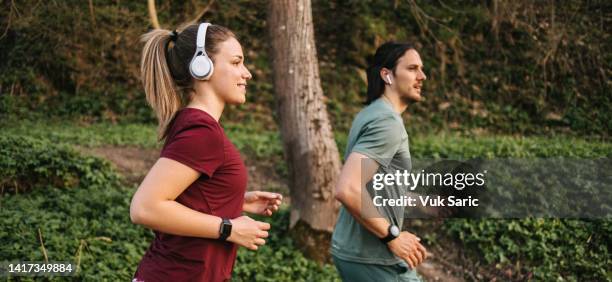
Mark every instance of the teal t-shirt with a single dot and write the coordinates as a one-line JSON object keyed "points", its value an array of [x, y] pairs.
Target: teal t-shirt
{"points": [[377, 132]]}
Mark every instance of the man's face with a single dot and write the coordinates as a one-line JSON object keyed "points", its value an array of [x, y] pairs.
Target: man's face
{"points": [[409, 76]]}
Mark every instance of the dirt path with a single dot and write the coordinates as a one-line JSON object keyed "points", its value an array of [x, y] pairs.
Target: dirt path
{"points": [[434, 271], [133, 163]]}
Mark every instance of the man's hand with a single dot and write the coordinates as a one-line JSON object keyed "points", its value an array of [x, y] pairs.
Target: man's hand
{"points": [[262, 203], [408, 248]]}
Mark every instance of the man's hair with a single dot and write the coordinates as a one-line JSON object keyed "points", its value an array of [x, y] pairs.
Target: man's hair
{"points": [[387, 56]]}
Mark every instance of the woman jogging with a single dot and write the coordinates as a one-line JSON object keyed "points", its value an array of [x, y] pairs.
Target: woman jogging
{"points": [[373, 247], [194, 195]]}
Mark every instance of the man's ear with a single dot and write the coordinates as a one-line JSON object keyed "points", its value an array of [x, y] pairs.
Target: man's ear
{"points": [[385, 75]]}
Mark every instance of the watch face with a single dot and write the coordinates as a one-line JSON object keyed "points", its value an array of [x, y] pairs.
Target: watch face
{"points": [[394, 230]]}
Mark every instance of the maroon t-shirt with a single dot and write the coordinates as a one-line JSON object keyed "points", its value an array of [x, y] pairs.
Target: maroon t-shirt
{"points": [[196, 140]]}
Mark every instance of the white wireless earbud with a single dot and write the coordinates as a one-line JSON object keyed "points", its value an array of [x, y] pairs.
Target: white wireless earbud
{"points": [[389, 79]]}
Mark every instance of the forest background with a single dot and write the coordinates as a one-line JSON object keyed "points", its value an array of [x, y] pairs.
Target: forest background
{"points": [[505, 79]]}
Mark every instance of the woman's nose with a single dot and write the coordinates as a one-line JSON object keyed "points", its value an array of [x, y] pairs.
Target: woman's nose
{"points": [[247, 73]]}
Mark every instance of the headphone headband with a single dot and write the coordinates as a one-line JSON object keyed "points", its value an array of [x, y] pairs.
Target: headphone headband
{"points": [[201, 67], [201, 39]]}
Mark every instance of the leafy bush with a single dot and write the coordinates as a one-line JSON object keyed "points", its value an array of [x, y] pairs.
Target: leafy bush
{"points": [[89, 226], [279, 259], [255, 141], [26, 163], [545, 249]]}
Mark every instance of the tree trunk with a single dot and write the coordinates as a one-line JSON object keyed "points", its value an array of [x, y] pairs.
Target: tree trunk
{"points": [[308, 141]]}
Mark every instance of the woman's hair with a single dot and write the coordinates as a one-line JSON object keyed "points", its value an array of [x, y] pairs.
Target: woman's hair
{"points": [[386, 56], [164, 68]]}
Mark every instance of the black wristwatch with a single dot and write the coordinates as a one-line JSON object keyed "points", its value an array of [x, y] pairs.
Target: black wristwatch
{"points": [[392, 233], [225, 229]]}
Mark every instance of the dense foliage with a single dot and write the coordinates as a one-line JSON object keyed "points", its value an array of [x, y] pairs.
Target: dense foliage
{"points": [[89, 223], [91, 228], [26, 163], [281, 260], [542, 249], [511, 67]]}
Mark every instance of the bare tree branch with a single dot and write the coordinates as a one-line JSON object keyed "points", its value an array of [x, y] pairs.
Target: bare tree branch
{"points": [[91, 12], [153, 13]]}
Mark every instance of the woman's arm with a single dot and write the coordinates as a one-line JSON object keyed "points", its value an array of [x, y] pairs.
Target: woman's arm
{"points": [[356, 172], [154, 206]]}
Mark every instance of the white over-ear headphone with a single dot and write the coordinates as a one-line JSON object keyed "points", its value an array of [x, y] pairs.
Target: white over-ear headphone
{"points": [[389, 79], [201, 67]]}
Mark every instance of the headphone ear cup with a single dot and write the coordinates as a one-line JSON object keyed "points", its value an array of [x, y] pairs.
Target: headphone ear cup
{"points": [[201, 67]]}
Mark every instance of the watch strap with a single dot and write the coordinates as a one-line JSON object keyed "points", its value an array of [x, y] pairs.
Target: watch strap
{"points": [[225, 229], [389, 236]]}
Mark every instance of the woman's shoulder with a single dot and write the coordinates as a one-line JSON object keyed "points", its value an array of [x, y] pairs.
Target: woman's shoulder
{"points": [[193, 115], [188, 118], [193, 122]]}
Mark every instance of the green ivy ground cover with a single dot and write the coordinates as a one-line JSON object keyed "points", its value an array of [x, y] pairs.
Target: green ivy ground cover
{"points": [[85, 219], [88, 220]]}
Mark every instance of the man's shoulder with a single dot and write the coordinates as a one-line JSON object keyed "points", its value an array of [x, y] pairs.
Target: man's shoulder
{"points": [[377, 113]]}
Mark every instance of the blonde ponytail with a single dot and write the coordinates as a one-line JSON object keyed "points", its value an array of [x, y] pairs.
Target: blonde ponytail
{"points": [[159, 86]]}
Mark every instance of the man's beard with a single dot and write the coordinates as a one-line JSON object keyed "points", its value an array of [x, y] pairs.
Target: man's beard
{"points": [[409, 99]]}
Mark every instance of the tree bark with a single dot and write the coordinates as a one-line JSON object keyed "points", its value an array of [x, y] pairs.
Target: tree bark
{"points": [[310, 150]]}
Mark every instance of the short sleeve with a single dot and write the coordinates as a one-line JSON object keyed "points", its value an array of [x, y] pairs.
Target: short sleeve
{"points": [[380, 139], [199, 147]]}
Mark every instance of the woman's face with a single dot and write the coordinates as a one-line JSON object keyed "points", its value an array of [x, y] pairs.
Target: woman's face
{"points": [[229, 79], [409, 76]]}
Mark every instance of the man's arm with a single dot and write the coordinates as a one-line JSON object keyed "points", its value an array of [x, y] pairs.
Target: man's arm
{"points": [[356, 172]]}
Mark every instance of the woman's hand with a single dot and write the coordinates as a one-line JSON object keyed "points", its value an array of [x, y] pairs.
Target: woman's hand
{"points": [[248, 232], [262, 203]]}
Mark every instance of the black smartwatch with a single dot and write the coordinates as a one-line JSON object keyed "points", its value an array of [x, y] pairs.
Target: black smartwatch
{"points": [[392, 233], [225, 229]]}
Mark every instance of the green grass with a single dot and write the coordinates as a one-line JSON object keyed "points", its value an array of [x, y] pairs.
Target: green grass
{"points": [[88, 135], [256, 141], [249, 139], [462, 147]]}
